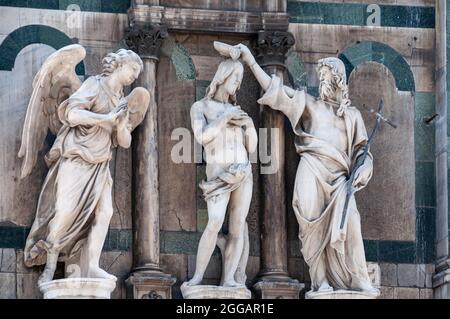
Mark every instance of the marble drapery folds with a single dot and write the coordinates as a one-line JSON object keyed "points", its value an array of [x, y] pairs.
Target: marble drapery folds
{"points": [[79, 150], [320, 189]]}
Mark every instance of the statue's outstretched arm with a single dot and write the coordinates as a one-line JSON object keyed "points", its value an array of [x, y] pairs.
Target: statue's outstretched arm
{"points": [[261, 76]]}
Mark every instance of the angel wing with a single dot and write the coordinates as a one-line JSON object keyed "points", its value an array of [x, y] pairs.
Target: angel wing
{"points": [[54, 83], [138, 101]]}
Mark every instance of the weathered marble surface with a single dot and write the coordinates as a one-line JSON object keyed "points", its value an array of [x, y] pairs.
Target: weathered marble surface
{"points": [[386, 196], [214, 292], [78, 288], [342, 294]]}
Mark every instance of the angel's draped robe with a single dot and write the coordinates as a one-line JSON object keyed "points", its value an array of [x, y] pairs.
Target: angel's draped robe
{"points": [[79, 182], [320, 189]]}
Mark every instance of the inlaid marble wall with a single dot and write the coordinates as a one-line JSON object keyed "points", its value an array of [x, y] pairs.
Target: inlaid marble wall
{"points": [[399, 235]]}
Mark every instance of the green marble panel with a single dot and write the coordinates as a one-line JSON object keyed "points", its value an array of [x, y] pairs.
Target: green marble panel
{"points": [[426, 234], [356, 14], [425, 184], [107, 6], [424, 135]]}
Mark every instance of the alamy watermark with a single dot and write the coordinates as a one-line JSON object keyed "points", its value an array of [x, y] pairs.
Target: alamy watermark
{"points": [[374, 18], [227, 147], [74, 19]]}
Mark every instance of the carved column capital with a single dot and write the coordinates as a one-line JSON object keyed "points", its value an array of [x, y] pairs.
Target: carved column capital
{"points": [[146, 39], [272, 46]]}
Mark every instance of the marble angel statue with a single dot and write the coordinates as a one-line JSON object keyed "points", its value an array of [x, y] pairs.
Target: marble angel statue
{"points": [[89, 120]]}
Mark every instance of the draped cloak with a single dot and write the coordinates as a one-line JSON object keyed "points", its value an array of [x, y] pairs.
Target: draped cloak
{"points": [[341, 251], [78, 176]]}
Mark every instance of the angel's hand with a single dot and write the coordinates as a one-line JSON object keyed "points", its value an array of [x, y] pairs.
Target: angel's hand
{"points": [[116, 115], [123, 121]]}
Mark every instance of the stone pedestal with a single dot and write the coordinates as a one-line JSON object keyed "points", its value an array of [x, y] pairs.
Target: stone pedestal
{"points": [[342, 294], [78, 288], [214, 292], [150, 285], [278, 289]]}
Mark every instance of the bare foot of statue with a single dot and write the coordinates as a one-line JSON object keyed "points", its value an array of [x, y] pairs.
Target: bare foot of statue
{"points": [[196, 280], [325, 287], [47, 275], [366, 287], [50, 267], [97, 272], [232, 284]]}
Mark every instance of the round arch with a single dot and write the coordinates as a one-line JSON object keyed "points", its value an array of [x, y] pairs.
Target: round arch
{"points": [[31, 34], [372, 51]]}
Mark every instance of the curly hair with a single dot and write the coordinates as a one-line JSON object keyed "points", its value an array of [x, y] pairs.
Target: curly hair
{"points": [[337, 68], [225, 69], [115, 59]]}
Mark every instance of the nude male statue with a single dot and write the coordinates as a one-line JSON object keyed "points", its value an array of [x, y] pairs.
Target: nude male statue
{"points": [[227, 134]]}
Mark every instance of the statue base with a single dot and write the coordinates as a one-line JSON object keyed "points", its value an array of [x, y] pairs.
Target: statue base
{"points": [[278, 289], [214, 292], [150, 285], [78, 288], [342, 294]]}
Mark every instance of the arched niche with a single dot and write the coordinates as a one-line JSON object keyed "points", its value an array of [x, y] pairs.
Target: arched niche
{"points": [[19, 197], [387, 204], [381, 53], [30, 34]]}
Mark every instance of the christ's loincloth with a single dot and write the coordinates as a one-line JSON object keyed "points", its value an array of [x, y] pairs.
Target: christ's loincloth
{"points": [[226, 182]]}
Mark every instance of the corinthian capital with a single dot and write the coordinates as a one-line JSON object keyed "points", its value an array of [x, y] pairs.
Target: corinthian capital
{"points": [[272, 46], [146, 40]]}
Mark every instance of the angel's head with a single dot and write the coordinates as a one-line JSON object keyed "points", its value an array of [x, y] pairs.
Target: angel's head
{"points": [[124, 64], [228, 77]]}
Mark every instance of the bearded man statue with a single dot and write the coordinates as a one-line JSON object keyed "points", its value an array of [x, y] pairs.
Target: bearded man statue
{"points": [[329, 137]]}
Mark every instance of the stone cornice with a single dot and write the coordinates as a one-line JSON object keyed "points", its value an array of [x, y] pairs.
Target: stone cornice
{"points": [[215, 21]]}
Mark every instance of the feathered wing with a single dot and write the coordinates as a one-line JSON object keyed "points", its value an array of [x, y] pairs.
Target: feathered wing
{"points": [[138, 103], [54, 83]]}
